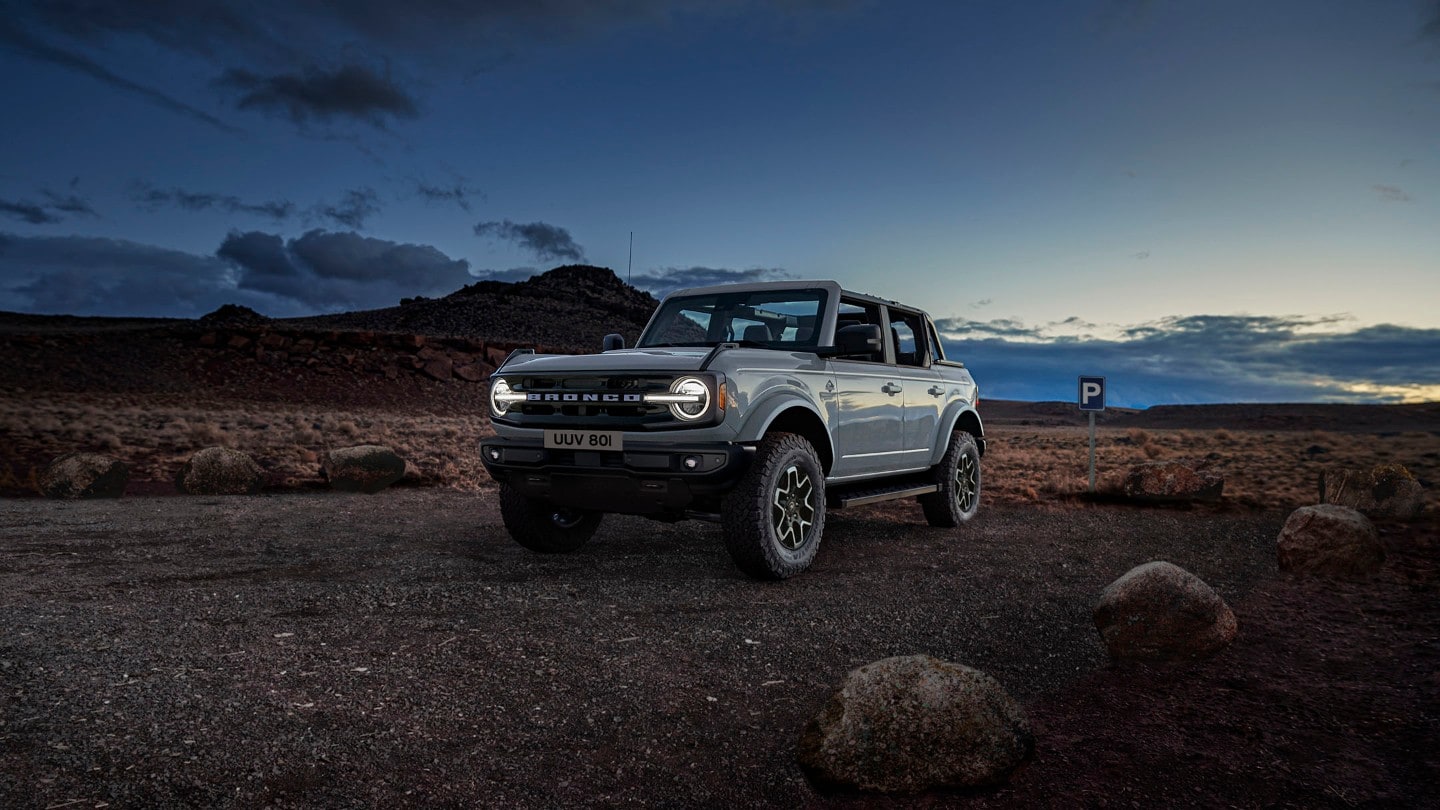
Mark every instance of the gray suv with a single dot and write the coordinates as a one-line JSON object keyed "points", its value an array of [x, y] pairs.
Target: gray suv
{"points": [[757, 406]]}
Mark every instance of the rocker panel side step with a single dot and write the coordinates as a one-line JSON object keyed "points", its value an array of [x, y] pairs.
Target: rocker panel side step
{"points": [[862, 497]]}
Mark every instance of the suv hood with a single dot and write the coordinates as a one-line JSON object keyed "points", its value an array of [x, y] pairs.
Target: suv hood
{"points": [[660, 360]]}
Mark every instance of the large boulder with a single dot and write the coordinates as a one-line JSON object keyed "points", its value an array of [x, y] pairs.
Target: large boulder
{"points": [[909, 724], [1385, 490], [84, 475], [1161, 612], [220, 471], [1329, 540], [1172, 481], [365, 468]]}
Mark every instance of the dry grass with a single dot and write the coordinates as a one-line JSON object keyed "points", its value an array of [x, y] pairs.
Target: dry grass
{"points": [[1266, 469], [156, 434]]}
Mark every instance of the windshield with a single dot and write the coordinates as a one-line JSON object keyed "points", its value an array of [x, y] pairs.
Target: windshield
{"points": [[781, 319]]}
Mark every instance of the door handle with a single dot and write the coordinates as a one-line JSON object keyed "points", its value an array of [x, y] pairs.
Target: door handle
{"points": [[891, 388], [936, 391]]}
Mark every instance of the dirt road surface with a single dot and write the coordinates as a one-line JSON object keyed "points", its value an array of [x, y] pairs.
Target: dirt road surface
{"points": [[398, 649]]}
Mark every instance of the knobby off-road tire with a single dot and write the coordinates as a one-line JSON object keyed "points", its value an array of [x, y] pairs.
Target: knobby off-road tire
{"points": [[775, 515], [958, 476], [544, 527]]}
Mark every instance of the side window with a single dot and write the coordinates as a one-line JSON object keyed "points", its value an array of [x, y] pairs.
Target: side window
{"points": [[936, 351], [906, 330]]}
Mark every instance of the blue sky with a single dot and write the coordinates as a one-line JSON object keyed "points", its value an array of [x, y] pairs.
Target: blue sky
{"points": [[1205, 201]]}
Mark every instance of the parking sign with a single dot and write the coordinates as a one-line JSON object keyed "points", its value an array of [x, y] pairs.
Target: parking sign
{"points": [[1092, 394]]}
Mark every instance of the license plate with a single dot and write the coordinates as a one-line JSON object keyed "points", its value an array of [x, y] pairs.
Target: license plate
{"points": [[584, 440]]}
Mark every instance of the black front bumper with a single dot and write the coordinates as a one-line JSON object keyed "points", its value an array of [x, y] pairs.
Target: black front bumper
{"points": [[645, 479]]}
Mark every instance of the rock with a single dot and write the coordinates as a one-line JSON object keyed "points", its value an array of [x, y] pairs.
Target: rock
{"points": [[1329, 540], [366, 468], [439, 368], [84, 475], [220, 471], [1172, 481], [908, 724], [238, 342], [1385, 490], [1161, 612], [496, 355], [271, 340], [430, 353], [474, 372]]}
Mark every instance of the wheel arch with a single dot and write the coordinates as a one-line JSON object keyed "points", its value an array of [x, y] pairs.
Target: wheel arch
{"points": [[790, 415], [963, 417]]}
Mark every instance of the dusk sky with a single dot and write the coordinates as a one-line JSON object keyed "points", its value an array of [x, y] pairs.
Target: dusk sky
{"points": [[1201, 200]]}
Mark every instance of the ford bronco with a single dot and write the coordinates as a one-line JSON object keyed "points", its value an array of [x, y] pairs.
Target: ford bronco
{"points": [[757, 406]]}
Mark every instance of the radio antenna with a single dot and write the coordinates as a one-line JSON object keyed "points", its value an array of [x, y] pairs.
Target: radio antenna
{"points": [[630, 262]]}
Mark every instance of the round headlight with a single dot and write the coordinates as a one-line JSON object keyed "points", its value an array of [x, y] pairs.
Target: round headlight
{"points": [[697, 396], [499, 404]]}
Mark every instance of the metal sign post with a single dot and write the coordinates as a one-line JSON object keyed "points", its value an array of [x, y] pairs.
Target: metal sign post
{"points": [[1092, 399]]}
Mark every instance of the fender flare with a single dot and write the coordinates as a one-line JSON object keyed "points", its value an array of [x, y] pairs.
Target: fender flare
{"points": [[957, 415], [761, 416]]}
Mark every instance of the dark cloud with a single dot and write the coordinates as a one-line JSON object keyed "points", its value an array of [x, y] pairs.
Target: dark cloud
{"points": [[335, 271], [15, 39], [353, 92], [1391, 193], [151, 199], [28, 212], [355, 207], [317, 272], [91, 276], [264, 49], [49, 212], [1141, 255], [547, 242], [1206, 359], [457, 193], [964, 328], [661, 282], [68, 203]]}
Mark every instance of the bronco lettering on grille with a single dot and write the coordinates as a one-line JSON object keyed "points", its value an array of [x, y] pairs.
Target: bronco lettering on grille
{"points": [[598, 397]]}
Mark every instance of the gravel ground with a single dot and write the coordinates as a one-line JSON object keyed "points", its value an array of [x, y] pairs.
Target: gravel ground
{"points": [[348, 650]]}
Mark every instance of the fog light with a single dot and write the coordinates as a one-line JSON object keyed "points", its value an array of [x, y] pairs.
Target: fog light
{"points": [[494, 454], [691, 462]]}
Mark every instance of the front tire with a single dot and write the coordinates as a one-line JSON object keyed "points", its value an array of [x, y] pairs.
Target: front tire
{"points": [[958, 476], [775, 515], [544, 527]]}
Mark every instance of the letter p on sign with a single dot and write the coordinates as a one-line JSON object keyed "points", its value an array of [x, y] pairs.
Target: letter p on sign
{"points": [[1092, 394]]}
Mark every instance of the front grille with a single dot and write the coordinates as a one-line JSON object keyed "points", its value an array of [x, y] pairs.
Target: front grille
{"points": [[637, 413]]}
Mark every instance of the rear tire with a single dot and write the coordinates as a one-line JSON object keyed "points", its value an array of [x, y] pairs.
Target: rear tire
{"points": [[958, 476], [544, 527], [775, 515]]}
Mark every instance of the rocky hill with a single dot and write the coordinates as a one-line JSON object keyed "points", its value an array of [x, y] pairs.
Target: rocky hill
{"points": [[571, 307], [433, 352]]}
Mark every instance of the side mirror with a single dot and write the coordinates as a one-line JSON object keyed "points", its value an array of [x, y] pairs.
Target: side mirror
{"points": [[854, 339], [860, 338], [612, 342]]}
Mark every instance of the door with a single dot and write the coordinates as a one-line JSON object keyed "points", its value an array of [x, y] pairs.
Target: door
{"points": [[925, 391], [867, 420]]}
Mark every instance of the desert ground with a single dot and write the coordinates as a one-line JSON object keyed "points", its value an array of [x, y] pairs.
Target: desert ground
{"points": [[307, 648], [320, 649]]}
